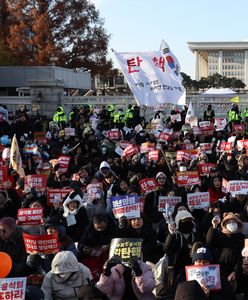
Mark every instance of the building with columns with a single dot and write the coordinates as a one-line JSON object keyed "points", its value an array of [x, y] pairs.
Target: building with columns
{"points": [[229, 59]]}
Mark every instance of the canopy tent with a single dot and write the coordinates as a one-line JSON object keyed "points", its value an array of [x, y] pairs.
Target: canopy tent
{"points": [[222, 92]]}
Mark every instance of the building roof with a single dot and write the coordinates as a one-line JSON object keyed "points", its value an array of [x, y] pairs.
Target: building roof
{"points": [[22, 76], [197, 46]]}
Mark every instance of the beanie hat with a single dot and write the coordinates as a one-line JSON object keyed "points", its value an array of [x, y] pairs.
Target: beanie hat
{"points": [[104, 164], [202, 254], [9, 222], [160, 174], [181, 215], [231, 216]]}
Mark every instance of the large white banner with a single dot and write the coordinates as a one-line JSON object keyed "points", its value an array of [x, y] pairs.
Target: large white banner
{"points": [[150, 78]]}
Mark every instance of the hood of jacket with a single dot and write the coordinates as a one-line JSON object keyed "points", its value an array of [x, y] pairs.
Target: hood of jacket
{"points": [[72, 197], [65, 262]]}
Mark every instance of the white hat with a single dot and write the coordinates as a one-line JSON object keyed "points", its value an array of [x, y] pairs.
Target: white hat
{"points": [[104, 164], [6, 153], [181, 215]]}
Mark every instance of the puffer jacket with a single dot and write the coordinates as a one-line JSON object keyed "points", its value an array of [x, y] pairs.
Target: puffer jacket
{"points": [[58, 288], [114, 286]]}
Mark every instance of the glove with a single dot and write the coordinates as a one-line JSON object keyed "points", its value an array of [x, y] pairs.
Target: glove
{"points": [[134, 265], [109, 264]]}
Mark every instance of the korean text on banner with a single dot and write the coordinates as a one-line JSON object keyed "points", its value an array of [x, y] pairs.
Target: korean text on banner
{"points": [[150, 78], [126, 248], [207, 275], [126, 205], [13, 288], [30, 216], [188, 178], [198, 200], [41, 244], [148, 185], [94, 191], [35, 181], [56, 196], [167, 204], [236, 187]]}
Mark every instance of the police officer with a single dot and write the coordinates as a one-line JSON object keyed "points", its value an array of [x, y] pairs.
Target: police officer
{"points": [[209, 114], [60, 117], [233, 114], [129, 115]]}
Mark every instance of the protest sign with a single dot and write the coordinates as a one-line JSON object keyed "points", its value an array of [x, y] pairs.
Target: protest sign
{"points": [[207, 275], [126, 249], [198, 200], [187, 154], [207, 130], [242, 144], [187, 178], [70, 131], [204, 124], [167, 204], [236, 187], [204, 169], [146, 147], [41, 244], [35, 181], [225, 146], [153, 155], [63, 162], [94, 191], [119, 151], [124, 144], [13, 288], [148, 185], [164, 136], [220, 124], [238, 128], [129, 151], [30, 216], [113, 134], [56, 196], [40, 136], [175, 118], [126, 205], [206, 147], [138, 128]]}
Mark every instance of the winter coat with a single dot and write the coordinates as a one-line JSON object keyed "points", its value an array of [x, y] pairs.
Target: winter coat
{"points": [[14, 246], [57, 288], [114, 285]]}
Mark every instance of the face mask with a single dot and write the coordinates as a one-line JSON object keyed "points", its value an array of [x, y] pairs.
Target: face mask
{"points": [[232, 227], [186, 227]]}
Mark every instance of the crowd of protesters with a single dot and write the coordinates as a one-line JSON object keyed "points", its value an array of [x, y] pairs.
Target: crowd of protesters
{"points": [[187, 236]]}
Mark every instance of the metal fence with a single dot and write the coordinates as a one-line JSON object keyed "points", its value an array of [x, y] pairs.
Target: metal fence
{"points": [[220, 105]]}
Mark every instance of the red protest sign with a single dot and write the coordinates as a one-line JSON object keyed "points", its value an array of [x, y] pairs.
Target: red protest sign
{"points": [[183, 155], [94, 191], [41, 244], [225, 146], [129, 151], [206, 147], [40, 136], [13, 288], [238, 128], [30, 216], [148, 185], [153, 155], [188, 178], [35, 181], [146, 147], [114, 134], [164, 136], [56, 195], [208, 130], [204, 169], [63, 162]]}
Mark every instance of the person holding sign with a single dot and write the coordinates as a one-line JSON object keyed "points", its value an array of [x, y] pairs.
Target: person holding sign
{"points": [[132, 280], [11, 242], [228, 244]]}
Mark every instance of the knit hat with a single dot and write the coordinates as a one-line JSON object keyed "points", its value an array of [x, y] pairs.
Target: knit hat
{"points": [[181, 215], [190, 290], [160, 174], [9, 222], [231, 216], [202, 254]]}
